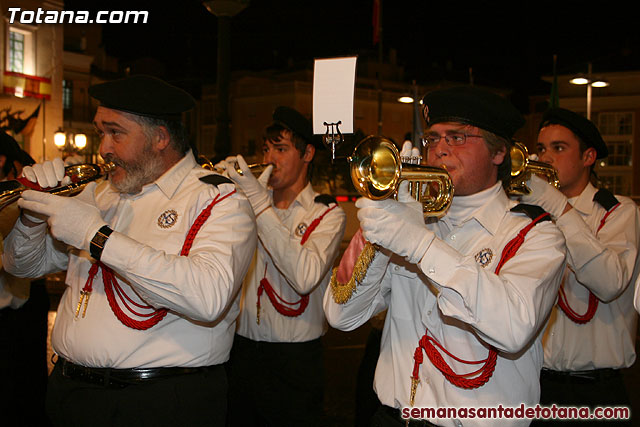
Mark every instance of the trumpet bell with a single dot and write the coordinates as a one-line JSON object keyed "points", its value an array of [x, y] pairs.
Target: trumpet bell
{"points": [[377, 170], [522, 167]]}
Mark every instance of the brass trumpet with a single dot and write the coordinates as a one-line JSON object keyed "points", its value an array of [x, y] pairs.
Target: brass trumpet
{"points": [[377, 170], [522, 167], [80, 175], [256, 168]]}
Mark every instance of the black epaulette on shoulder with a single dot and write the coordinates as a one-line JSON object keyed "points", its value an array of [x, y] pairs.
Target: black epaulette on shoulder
{"points": [[605, 198], [532, 211], [215, 179], [325, 198]]}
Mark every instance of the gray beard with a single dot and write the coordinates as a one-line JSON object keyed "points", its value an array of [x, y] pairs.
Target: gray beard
{"points": [[139, 173]]}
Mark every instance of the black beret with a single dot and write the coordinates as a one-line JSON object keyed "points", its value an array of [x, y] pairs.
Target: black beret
{"points": [[144, 96], [581, 126], [472, 106], [295, 122]]}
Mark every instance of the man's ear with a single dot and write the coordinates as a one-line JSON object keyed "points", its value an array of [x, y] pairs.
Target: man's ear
{"points": [[589, 157], [309, 152], [499, 155], [162, 139]]}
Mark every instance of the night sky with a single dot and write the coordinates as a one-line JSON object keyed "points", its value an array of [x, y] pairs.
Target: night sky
{"points": [[508, 44]]}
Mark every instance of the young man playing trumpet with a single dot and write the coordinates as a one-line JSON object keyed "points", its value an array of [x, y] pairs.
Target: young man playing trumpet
{"points": [[276, 367], [467, 294], [592, 329]]}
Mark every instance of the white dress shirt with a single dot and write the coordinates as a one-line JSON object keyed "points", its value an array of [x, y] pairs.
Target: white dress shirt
{"points": [[293, 269], [465, 306], [150, 227], [605, 264]]}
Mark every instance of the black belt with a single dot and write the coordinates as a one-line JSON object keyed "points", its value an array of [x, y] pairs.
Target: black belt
{"points": [[120, 378], [395, 413], [590, 376]]}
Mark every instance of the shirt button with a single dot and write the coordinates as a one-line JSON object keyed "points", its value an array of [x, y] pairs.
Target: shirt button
{"points": [[432, 270], [429, 313], [453, 237], [396, 268]]}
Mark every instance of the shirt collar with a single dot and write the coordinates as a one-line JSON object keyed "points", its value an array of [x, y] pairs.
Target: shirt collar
{"points": [[305, 198], [584, 202], [495, 204], [170, 181]]}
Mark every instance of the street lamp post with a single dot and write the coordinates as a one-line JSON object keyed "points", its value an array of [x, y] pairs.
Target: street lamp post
{"points": [[591, 83], [224, 10]]}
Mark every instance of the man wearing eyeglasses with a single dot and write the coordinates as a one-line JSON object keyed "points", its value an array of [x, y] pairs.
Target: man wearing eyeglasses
{"points": [[467, 294], [592, 330]]}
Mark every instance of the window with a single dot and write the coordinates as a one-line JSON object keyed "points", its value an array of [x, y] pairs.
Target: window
{"points": [[20, 55], [615, 172], [16, 52], [67, 94]]}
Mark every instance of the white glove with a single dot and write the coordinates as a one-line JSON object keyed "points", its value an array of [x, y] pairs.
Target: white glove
{"points": [[546, 196], [254, 189], [72, 220], [396, 225], [221, 166], [48, 174]]}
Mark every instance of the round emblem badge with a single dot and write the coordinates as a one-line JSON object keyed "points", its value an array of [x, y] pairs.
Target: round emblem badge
{"points": [[168, 218], [301, 229], [484, 257]]}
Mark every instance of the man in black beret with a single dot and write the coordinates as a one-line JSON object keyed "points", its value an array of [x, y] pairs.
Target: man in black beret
{"points": [[592, 329], [155, 257], [276, 368], [467, 294]]}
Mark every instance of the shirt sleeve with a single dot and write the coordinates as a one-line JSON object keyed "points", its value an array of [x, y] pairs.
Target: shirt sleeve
{"points": [[603, 262], [370, 297], [304, 266], [506, 309], [201, 285], [32, 252]]}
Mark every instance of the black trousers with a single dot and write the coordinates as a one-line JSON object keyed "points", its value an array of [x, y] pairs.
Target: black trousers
{"points": [[602, 387], [196, 399], [276, 384]]}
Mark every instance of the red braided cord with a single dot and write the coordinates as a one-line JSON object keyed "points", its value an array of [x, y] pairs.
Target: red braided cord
{"points": [[429, 344], [592, 305], [111, 283], [154, 317], [314, 224], [459, 380], [279, 303]]}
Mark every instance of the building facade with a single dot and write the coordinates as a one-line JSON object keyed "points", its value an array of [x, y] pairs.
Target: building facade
{"points": [[31, 79]]}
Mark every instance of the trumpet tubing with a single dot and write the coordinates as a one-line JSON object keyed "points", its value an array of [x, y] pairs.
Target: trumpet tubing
{"points": [[256, 168], [80, 175], [376, 173]]}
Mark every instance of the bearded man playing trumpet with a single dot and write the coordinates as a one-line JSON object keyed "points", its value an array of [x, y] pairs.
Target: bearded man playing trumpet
{"points": [[155, 257], [592, 329], [468, 293]]}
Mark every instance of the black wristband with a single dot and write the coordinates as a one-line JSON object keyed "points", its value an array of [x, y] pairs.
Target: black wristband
{"points": [[99, 240]]}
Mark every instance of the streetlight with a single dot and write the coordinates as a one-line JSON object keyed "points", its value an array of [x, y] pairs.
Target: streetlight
{"points": [[591, 83]]}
